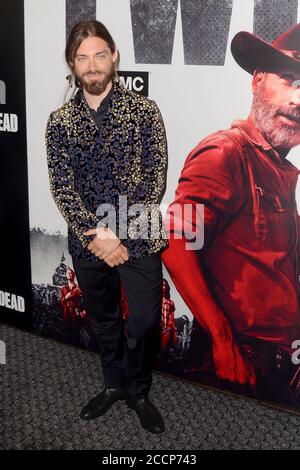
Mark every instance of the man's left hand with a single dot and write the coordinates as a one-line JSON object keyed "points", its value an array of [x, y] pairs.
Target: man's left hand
{"points": [[119, 256]]}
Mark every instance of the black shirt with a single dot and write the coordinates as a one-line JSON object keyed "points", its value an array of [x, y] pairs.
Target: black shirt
{"points": [[98, 115]]}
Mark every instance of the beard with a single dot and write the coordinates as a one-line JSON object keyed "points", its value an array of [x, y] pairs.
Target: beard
{"points": [[99, 84], [277, 133]]}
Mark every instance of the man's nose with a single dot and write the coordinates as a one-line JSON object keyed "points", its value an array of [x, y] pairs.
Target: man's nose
{"points": [[92, 63], [296, 97]]}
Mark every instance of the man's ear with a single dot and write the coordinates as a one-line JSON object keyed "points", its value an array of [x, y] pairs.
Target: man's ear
{"points": [[116, 58], [258, 77]]}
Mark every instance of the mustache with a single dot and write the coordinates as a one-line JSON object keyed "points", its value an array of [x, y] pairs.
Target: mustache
{"points": [[95, 72], [291, 113]]}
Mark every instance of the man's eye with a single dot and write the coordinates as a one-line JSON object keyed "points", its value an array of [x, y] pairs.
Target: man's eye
{"points": [[296, 83], [100, 56], [291, 79], [288, 77]]}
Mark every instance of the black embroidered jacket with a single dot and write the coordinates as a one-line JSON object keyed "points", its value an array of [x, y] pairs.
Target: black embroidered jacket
{"points": [[88, 167]]}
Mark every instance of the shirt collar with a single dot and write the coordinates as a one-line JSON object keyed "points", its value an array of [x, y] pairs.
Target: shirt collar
{"points": [[103, 105], [257, 139], [253, 134]]}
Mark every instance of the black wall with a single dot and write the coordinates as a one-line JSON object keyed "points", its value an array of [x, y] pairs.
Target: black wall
{"points": [[15, 277]]}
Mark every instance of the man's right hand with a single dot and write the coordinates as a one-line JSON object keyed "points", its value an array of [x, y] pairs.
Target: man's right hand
{"points": [[104, 243], [230, 363]]}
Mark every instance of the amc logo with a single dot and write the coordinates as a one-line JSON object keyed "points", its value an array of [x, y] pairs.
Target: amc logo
{"points": [[135, 81], [2, 92]]}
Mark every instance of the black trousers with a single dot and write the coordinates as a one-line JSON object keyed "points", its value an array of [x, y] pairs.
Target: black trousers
{"points": [[125, 363]]}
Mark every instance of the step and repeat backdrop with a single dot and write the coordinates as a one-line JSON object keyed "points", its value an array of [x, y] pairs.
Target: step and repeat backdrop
{"points": [[177, 52]]}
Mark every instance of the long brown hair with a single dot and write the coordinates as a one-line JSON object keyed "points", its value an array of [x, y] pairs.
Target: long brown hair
{"points": [[81, 31]]}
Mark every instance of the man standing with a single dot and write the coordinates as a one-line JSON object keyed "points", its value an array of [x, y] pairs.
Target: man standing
{"points": [[107, 151], [243, 285]]}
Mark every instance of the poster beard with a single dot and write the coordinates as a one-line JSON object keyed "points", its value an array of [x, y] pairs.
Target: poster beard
{"points": [[98, 86], [278, 134]]}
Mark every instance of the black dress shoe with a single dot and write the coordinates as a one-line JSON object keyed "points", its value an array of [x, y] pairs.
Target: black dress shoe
{"points": [[148, 414], [100, 404]]}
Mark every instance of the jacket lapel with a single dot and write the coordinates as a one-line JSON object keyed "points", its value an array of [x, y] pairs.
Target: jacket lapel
{"points": [[112, 122]]}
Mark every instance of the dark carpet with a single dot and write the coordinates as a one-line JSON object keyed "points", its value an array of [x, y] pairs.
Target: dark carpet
{"points": [[44, 384]]}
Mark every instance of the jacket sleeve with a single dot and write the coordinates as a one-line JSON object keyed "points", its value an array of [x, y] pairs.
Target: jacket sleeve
{"points": [[61, 177], [214, 179], [150, 190], [213, 175]]}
